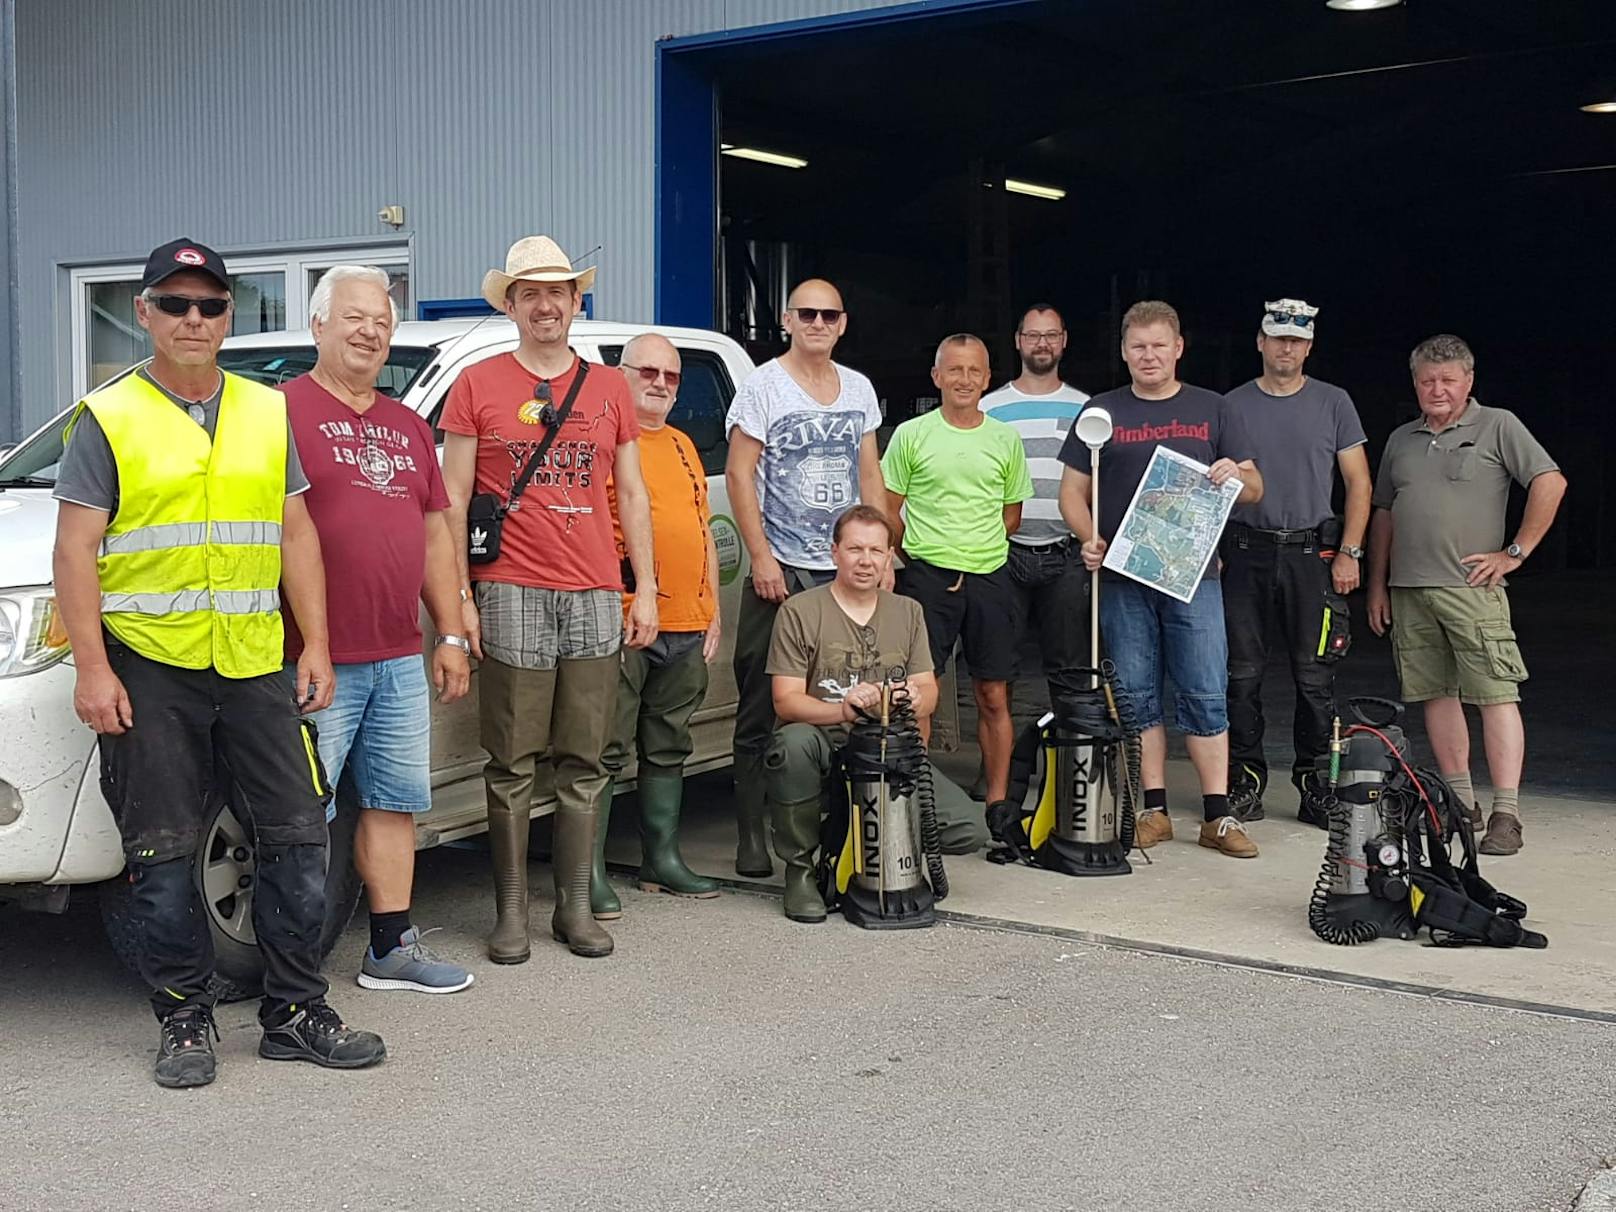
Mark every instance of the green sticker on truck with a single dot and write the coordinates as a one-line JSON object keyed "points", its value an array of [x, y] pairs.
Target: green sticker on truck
{"points": [[727, 539]]}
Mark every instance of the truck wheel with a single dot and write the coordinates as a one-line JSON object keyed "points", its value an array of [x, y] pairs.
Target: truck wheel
{"points": [[224, 877]]}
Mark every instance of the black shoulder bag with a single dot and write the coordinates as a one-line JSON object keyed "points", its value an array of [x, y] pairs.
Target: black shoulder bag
{"points": [[485, 516]]}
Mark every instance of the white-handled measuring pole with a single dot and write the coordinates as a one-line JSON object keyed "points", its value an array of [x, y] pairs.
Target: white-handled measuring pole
{"points": [[1093, 429]]}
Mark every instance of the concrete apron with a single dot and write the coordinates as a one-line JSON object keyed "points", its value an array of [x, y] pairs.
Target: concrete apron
{"points": [[1196, 903]]}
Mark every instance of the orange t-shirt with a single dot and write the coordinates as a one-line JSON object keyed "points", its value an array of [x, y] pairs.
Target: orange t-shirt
{"points": [[686, 595], [561, 537]]}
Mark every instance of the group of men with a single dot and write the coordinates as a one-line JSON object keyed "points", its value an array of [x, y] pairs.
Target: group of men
{"points": [[241, 572]]}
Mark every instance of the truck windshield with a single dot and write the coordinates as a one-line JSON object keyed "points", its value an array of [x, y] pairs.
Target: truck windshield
{"points": [[34, 463]]}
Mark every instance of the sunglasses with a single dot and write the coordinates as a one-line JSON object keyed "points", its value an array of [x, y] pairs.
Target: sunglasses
{"points": [[541, 395], [180, 305], [828, 314], [1285, 317], [649, 374]]}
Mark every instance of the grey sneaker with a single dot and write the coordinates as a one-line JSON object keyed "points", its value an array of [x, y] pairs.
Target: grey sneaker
{"points": [[411, 966]]}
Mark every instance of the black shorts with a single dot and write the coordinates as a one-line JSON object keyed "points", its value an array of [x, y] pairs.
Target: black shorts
{"points": [[977, 608], [198, 735]]}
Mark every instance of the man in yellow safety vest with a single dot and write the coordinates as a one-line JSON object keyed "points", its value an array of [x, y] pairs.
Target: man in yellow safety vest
{"points": [[179, 519]]}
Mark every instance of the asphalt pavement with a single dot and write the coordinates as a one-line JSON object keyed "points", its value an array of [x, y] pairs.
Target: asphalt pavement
{"points": [[725, 1057]]}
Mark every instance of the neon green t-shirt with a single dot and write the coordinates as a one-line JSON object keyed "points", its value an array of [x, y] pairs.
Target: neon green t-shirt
{"points": [[956, 483]]}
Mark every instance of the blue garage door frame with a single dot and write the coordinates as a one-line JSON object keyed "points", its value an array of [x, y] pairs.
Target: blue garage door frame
{"points": [[687, 121]]}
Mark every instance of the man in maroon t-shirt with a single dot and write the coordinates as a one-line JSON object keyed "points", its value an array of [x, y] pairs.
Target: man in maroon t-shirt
{"points": [[378, 500]]}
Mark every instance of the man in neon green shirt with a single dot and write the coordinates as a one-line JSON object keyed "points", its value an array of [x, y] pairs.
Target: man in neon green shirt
{"points": [[955, 481]]}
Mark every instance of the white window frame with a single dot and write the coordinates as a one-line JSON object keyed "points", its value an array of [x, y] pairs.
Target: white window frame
{"points": [[294, 264]]}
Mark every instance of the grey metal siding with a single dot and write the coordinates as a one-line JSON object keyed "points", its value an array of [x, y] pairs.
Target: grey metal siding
{"points": [[246, 124]]}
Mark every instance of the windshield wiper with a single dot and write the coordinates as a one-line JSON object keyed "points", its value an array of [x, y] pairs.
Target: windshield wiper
{"points": [[27, 482]]}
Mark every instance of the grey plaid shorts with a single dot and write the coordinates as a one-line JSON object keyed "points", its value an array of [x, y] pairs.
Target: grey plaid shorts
{"points": [[532, 628]]}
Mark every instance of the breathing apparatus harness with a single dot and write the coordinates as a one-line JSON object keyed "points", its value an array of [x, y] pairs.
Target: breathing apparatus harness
{"points": [[879, 775], [1387, 866]]}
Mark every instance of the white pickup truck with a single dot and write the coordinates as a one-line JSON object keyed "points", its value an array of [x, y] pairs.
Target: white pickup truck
{"points": [[55, 828]]}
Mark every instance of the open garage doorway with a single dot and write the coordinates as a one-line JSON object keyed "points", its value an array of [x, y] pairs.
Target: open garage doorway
{"points": [[1438, 165]]}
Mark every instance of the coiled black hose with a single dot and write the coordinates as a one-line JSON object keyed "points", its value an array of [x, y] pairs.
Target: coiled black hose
{"points": [[1127, 789], [906, 769], [1318, 912]]}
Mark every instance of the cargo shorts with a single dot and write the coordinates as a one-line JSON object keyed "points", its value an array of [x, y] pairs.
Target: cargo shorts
{"points": [[1455, 642]]}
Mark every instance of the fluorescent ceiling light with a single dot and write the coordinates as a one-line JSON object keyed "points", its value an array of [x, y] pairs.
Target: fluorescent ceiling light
{"points": [[1360, 6], [1034, 191], [762, 157], [1600, 107]]}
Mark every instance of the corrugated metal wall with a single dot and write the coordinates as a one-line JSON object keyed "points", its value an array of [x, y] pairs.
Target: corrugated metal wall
{"points": [[247, 124]]}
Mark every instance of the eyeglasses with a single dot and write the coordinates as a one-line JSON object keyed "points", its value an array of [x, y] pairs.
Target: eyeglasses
{"points": [[828, 314], [1286, 317], [180, 305], [649, 374], [1037, 338]]}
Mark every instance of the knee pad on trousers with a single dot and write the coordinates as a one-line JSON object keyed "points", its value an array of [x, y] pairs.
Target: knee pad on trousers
{"points": [[289, 893]]}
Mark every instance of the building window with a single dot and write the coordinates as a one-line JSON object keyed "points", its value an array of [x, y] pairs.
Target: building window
{"points": [[271, 294]]}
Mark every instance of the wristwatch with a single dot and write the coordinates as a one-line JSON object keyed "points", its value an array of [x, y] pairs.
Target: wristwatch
{"points": [[1355, 552], [1514, 552], [457, 641]]}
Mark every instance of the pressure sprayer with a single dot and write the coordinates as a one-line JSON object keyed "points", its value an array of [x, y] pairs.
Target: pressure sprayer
{"points": [[1387, 868], [883, 863], [1074, 776]]}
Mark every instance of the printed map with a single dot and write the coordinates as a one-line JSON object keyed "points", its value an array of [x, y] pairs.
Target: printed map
{"points": [[1170, 530]]}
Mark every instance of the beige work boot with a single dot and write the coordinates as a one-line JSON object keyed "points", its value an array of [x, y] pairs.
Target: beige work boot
{"points": [[1153, 825], [1228, 836]]}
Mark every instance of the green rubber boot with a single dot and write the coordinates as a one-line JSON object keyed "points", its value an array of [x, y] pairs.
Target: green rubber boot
{"points": [[751, 816], [796, 839], [603, 902], [662, 790]]}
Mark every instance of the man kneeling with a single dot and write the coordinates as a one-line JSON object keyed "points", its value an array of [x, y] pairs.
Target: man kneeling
{"points": [[832, 648]]}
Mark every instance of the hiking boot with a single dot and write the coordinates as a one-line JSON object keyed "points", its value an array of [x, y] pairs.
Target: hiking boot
{"points": [[315, 1032], [411, 966], [1245, 796], [1315, 806], [184, 1051], [1503, 834], [1153, 825], [1228, 836]]}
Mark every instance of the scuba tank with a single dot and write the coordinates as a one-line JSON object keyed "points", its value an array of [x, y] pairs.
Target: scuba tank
{"points": [[883, 863], [1074, 778], [1387, 868]]}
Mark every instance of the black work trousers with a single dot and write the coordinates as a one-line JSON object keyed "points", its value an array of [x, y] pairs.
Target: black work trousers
{"points": [[1274, 594], [198, 735], [1052, 602]]}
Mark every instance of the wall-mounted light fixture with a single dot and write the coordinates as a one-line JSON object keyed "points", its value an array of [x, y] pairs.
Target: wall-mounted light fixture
{"points": [[779, 159], [1047, 192]]}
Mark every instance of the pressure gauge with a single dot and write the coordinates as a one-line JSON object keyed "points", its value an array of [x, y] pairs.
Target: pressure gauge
{"points": [[1390, 855]]}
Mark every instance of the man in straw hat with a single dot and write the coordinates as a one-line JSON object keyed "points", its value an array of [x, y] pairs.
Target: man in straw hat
{"points": [[546, 617]]}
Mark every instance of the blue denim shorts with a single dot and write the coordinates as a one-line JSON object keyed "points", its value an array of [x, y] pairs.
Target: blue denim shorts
{"points": [[379, 724], [1147, 634]]}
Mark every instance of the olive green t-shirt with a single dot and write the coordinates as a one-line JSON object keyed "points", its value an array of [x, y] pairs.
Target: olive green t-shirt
{"points": [[1447, 491], [816, 641], [956, 483]]}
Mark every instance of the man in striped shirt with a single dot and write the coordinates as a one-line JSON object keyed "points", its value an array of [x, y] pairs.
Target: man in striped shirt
{"points": [[1045, 567]]}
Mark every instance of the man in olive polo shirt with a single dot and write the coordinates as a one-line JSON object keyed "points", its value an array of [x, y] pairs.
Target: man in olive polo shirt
{"points": [[1437, 544]]}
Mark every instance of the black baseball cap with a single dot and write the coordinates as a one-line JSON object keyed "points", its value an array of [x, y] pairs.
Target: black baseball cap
{"points": [[180, 256]]}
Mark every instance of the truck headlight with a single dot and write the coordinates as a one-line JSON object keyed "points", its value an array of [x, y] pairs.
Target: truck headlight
{"points": [[32, 636]]}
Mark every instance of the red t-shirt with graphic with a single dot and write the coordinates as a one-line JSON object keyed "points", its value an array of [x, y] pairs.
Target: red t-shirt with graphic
{"points": [[561, 536], [373, 478]]}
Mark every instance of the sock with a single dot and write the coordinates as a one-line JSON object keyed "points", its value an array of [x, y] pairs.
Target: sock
{"points": [[1461, 787], [1507, 799], [1155, 799], [1214, 806], [386, 929]]}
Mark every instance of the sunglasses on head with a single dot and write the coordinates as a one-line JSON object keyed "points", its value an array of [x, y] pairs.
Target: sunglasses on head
{"points": [[180, 305], [1286, 317], [649, 374], [828, 314]]}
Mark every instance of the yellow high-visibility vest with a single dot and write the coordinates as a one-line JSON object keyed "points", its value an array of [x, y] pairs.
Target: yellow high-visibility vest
{"points": [[191, 562]]}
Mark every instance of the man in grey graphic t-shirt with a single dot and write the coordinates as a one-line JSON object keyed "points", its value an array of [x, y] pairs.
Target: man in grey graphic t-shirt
{"points": [[801, 451]]}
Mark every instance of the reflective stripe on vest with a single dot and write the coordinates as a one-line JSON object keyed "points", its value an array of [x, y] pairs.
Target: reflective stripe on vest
{"points": [[190, 562]]}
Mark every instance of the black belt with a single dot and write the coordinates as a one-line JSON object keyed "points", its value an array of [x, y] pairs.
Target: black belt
{"points": [[1246, 535], [1052, 545]]}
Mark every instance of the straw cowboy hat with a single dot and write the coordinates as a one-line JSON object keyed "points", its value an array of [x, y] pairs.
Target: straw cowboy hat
{"points": [[533, 259]]}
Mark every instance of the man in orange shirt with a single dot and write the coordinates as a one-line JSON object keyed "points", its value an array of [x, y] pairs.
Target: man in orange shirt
{"points": [[660, 686]]}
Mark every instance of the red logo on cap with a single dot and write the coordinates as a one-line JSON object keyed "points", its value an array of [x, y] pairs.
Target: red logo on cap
{"points": [[189, 256]]}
